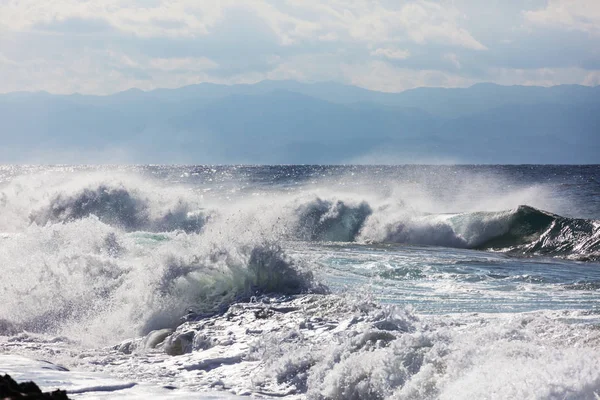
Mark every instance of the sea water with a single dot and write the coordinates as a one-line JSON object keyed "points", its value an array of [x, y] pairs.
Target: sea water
{"points": [[320, 282]]}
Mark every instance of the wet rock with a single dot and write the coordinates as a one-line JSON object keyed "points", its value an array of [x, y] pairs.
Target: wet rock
{"points": [[10, 389], [263, 313]]}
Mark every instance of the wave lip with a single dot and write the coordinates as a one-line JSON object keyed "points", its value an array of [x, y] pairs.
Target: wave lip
{"points": [[524, 230], [533, 231]]}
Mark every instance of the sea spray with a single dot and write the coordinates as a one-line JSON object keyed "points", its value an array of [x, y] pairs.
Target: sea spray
{"points": [[86, 279]]}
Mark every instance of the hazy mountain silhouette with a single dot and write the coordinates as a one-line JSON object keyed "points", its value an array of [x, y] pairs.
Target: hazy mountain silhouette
{"points": [[292, 122]]}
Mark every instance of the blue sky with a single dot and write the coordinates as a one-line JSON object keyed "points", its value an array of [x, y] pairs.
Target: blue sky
{"points": [[104, 46]]}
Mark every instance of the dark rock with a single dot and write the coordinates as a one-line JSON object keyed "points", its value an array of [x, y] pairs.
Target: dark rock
{"points": [[263, 313], [10, 389]]}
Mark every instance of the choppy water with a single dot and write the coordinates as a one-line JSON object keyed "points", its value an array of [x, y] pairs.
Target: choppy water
{"points": [[99, 255]]}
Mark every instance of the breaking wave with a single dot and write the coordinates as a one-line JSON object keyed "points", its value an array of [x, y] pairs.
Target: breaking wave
{"points": [[524, 230], [90, 253], [119, 207], [326, 220], [88, 280], [105, 259], [132, 205]]}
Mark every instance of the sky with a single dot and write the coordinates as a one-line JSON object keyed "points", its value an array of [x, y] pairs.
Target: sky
{"points": [[106, 46]]}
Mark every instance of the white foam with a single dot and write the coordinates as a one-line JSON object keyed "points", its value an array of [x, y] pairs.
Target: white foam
{"points": [[90, 385], [330, 347]]}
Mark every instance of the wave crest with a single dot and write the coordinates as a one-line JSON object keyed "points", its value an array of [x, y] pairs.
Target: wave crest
{"points": [[331, 220], [119, 207], [524, 230]]}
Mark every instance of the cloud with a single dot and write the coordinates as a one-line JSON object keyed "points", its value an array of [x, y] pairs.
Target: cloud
{"points": [[293, 21], [74, 26], [418, 21], [578, 15], [108, 45], [427, 21]]}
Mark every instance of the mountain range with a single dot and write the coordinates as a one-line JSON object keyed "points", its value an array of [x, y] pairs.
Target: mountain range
{"points": [[287, 122]]}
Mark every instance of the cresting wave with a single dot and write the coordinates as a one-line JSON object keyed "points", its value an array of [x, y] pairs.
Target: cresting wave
{"points": [[117, 206], [115, 258], [524, 230], [131, 205], [89, 253]]}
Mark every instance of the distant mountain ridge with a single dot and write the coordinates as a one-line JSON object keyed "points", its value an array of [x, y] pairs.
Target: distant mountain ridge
{"points": [[291, 122]]}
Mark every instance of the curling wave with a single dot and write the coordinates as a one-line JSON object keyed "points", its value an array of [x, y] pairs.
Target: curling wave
{"points": [[534, 231], [524, 230]]}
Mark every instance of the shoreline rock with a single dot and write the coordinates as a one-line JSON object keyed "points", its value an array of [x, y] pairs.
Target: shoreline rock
{"points": [[10, 389]]}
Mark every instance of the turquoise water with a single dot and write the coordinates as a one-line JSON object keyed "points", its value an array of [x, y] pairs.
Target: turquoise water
{"points": [[439, 280]]}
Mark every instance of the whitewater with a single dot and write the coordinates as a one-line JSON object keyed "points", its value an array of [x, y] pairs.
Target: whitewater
{"points": [[316, 282]]}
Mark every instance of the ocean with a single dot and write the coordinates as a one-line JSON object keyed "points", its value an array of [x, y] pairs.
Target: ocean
{"points": [[302, 282]]}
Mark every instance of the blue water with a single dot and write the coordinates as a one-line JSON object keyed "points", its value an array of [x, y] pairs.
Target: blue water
{"points": [[438, 281]]}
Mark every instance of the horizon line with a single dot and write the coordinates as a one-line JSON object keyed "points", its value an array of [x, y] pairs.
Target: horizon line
{"points": [[136, 89]]}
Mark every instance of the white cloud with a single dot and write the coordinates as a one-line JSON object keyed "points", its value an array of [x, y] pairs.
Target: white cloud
{"points": [[417, 21], [579, 15], [592, 78], [146, 19], [7, 62], [103, 72], [420, 21], [103, 46], [427, 21]]}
